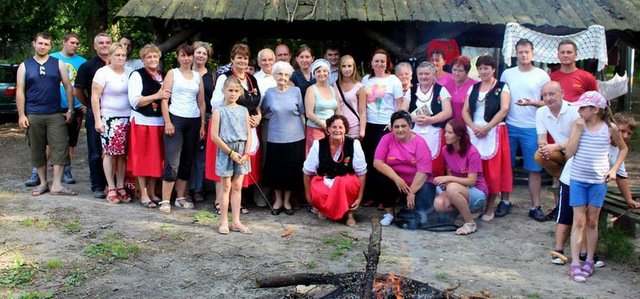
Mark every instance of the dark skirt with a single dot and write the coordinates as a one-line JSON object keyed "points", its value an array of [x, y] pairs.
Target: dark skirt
{"points": [[283, 166]]}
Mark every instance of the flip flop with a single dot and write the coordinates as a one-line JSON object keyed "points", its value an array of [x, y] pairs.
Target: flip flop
{"points": [[37, 191], [241, 229], [64, 192]]}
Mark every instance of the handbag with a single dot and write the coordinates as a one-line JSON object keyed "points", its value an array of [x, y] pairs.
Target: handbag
{"points": [[345, 101]]}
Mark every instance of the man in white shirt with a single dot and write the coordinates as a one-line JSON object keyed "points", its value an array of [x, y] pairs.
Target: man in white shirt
{"points": [[525, 82], [332, 54], [127, 42], [266, 59]]}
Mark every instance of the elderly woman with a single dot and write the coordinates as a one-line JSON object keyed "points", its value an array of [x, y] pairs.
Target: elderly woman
{"points": [[404, 72], [463, 188], [430, 108], [284, 108], [184, 120], [438, 60], [458, 88], [320, 102], [335, 171], [250, 99], [145, 145], [111, 110], [353, 97], [303, 77], [201, 55], [384, 97], [484, 112], [405, 161]]}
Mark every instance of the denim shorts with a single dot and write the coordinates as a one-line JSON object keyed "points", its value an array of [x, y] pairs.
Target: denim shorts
{"points": [[527, 140], [477, 198], [582, 194]]}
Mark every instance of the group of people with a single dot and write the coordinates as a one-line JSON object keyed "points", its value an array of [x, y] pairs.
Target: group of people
{"points": [[440, 142]]}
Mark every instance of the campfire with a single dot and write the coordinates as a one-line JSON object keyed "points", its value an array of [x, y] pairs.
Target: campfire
{"points": [[366, 284]]}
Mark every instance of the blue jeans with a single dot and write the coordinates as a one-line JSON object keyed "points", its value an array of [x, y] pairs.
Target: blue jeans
{"points": [[94, 147], [425, 197]]}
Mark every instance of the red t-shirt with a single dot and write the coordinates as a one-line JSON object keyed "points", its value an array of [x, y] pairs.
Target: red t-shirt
{"points": [[575, 83]]}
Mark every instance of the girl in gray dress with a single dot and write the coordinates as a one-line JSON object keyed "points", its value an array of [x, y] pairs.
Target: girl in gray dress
{"points": [[229, 131]]}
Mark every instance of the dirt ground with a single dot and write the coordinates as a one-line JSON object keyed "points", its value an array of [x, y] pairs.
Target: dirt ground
{"points": [[181, 255]]}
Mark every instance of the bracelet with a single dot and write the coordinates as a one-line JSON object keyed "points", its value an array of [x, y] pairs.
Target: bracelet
{"points": [[231, 153], [247, 155]]}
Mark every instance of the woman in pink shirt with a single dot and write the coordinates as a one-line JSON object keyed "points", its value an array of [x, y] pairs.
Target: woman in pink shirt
{"points": [[463, 189], [404, 160]]}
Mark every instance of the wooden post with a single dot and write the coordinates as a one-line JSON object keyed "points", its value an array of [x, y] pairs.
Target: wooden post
{"points": [[372, 256]]}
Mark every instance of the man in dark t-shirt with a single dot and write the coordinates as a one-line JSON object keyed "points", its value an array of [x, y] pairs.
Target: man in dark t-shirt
{"points": [[41, 114], [82, 91]]}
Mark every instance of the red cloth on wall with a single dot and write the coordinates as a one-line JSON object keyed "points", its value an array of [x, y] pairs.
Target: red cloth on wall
{"points": [[448, 46]]}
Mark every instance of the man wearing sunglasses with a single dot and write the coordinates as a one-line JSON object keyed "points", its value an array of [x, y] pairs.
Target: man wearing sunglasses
{"points": [[38, 101]]}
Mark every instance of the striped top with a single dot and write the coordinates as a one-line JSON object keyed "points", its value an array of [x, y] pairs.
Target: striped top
{"points": [[591, 160]]}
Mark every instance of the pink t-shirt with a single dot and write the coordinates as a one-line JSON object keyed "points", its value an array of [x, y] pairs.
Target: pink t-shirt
{"points": [[458, 94], [461, 166], [405, 158]]}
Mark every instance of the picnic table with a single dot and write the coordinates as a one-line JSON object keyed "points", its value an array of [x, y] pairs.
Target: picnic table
{"points": [[615, 204]]}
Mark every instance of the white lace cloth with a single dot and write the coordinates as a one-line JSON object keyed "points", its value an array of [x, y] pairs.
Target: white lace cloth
{"points": [[592, 43], [615, 87]]}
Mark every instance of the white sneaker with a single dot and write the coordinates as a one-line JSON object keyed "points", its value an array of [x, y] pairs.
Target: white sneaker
{"points": [[386, 219], [557, 261]]}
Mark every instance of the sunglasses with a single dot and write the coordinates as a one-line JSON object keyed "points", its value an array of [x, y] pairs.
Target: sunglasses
{"points": [[43, 71]]}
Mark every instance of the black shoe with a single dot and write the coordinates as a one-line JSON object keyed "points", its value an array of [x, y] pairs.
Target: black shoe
{"points": [[552, 215], [99, 194], [537, 214], [288, 211], [596, 260], [503, 209], [276, 212]]}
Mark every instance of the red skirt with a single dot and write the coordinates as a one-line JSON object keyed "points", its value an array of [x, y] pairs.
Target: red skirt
{"points": [[437, 164], [146, 150], [312, 134], [334, 202], [497, 170], [251, 178]]}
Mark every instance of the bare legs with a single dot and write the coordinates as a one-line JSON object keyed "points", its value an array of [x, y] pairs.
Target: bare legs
{"points": [[455, 198]]}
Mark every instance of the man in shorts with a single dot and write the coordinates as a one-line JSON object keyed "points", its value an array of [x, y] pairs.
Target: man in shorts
{"points": [[525, 83], [40, 113]]}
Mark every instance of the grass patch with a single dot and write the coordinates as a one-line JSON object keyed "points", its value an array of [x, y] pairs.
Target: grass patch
{"points": [[53, 264], [35, 221], [21, 273], [35, 295], [615, 244], [531, 295], [442, 276], [75, 278], [310, 265], [204, 217], [111, 250], [341, 246], [166, 227], [336, 254], [73, 226], [179, 237]]}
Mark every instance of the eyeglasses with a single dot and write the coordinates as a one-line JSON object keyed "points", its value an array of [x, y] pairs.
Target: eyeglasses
{"points": [[43, 71]]}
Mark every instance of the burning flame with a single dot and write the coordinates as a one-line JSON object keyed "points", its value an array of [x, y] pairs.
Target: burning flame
{"points": [[392, 285]]}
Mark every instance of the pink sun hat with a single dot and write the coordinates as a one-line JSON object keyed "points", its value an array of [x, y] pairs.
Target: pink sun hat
{"points": [[591, 98]]}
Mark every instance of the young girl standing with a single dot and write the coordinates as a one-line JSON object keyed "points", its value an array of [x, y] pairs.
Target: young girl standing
{"points": [[229, 131], [590, 172]]}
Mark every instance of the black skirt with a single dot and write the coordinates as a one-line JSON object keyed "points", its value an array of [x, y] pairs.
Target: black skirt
{"points": [[283, 165]]}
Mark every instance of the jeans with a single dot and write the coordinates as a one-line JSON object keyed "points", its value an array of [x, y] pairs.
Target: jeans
{"points": [[94, 147]]}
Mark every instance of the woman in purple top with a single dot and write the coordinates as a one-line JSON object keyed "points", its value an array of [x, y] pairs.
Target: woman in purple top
{"points": [[459, 85], [463, 188], [404, 161]]}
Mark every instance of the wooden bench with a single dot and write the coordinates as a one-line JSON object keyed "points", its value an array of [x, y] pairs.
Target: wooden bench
{"points": [[615, 204]]}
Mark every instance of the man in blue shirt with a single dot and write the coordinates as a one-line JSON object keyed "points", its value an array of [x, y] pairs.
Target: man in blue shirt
{"points": [[72, 61], [41, 114]]}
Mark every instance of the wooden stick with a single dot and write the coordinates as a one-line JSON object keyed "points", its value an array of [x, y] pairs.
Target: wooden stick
{"points": [[372, 257]]}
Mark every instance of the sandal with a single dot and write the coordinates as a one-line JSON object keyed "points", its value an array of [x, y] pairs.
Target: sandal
{"points": [[244, 210], [588, 267], [148, 204], [466, 229], [37, 191], [238, 227], [187, 204], [198, 197], [124, 196], [575, 271], [112, 196], [223, 229], [216, 209], [163, 208], [64, 192]]}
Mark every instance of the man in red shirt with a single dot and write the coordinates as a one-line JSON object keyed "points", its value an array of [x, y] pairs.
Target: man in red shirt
{"points": [[573, 80]]}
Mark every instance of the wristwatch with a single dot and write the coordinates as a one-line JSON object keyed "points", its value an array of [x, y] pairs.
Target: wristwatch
{"points": [[72, 111]]}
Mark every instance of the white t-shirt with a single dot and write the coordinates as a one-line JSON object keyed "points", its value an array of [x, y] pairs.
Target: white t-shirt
{"points": [[134, 64], [184, 95], [135, 93], [114, 100], [559, 128], [381, 98], [478, 115], [524, 85]]}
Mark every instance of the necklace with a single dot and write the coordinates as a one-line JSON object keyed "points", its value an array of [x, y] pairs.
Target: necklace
{"points": [[252, 90], [427, 96], [457, 89], [233, 71], [493, 83]]}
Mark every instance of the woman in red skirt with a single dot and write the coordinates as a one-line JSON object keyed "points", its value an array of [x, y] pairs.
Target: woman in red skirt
{"points": [[484, 112], [146, 149], [334, 173]]}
